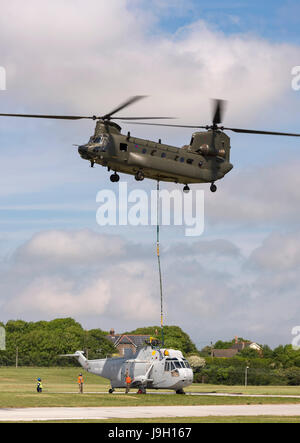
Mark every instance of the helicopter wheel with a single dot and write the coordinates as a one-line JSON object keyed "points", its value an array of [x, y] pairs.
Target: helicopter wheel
{"points": [[114, 178], [111, 391], [213, 187], [142, 391], [186, 189], [180, 392], [139, 176]]}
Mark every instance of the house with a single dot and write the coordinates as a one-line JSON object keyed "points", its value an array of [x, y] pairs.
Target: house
{"points": [[237, 347], [127, 343]]}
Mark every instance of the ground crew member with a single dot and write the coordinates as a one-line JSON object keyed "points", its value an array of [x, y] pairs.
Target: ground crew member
{"points": [[80, 383], [39, 386], [128, 382]]}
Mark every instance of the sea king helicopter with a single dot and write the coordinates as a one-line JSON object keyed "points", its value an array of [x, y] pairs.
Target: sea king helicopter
{"points": [[205, 159], [150, 367]]}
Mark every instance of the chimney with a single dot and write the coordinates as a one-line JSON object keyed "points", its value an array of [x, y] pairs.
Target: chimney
{"points": [[112, 332]]}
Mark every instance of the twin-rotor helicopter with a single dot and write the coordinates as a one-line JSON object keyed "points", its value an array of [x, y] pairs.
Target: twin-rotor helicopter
{"points": [[205, 159]]}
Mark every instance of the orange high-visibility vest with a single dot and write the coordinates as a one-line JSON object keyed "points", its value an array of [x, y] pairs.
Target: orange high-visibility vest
{"points": [[128, 380], [80, 379]]}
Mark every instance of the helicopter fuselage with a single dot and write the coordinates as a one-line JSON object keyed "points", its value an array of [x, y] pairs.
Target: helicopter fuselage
{"points": [[150, 367], [205, 160]]}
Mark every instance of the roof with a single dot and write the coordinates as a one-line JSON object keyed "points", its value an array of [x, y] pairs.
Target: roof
{"points": [[241, 345], [225, 353]]}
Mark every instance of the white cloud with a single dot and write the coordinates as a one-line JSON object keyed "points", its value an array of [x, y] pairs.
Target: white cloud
{"points": [[89, 57], [51, 296], [278, 253], [258, 195], [77, 273], [74, 247]]}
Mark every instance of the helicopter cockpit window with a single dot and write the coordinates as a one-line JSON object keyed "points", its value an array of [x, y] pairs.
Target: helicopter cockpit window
{"points": [[186, 363], [123, 147], [170, 365], [103, 142]]}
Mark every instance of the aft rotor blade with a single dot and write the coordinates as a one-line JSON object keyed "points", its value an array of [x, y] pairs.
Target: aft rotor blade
{"points": [[219, 108], [58, 117], [250, 131], [128, 102]]}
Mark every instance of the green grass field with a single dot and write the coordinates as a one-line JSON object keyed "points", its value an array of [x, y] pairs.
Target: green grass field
{"points": [[18, 390]]}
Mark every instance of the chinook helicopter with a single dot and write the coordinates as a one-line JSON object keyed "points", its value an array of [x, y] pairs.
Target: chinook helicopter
{"points": [[150, 367], [205, 159]]}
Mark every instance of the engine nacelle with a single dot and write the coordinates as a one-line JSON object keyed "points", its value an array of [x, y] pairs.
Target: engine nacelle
{"points": [[211, 143], [207, 150]]}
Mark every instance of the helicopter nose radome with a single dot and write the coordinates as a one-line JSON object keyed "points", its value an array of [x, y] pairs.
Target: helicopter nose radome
{"points": [[82, 150], [186, 376]]}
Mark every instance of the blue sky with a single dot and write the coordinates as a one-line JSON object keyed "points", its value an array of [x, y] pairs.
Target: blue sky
{"points": [[273, 19], [89, 57]]}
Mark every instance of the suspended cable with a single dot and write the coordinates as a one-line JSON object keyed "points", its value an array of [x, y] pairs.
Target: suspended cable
{"points": [[159, 267]]}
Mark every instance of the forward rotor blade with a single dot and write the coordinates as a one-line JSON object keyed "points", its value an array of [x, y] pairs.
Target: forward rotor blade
{"points": [[144, 118], [57, 117], [249, 131], [128, 102], [170, 126], [219, 108]]}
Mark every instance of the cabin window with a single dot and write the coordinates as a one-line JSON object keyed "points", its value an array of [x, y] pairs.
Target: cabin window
{"points": [[123, 147], [200, 164], [182, 160], [163, 155], [144, 151], [190, 161]]}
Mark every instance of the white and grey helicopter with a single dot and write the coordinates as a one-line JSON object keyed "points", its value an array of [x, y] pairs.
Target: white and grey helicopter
{"points": [[150, 367]]}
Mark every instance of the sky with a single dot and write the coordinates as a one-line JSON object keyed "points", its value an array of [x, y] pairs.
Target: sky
{"points": [[85, 57]]}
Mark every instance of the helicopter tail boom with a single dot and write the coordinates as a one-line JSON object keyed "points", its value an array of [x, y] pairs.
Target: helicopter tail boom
{"points": [[79, 357]]}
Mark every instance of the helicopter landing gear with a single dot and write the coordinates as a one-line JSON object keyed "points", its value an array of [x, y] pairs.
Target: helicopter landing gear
{"points": [[139, 176], [186, 189], [114, 178], [180, 392], [142, 391], [111, 391], [213, 187]]}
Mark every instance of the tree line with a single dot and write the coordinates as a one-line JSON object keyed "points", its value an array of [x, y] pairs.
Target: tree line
{"points": [[280, 366], [41, 343]]}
